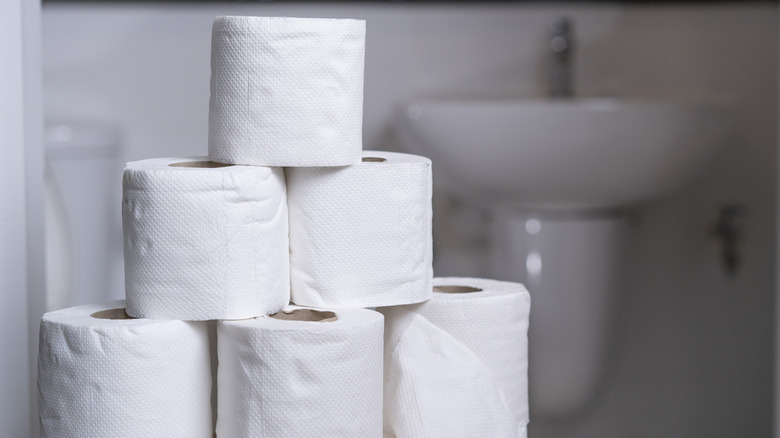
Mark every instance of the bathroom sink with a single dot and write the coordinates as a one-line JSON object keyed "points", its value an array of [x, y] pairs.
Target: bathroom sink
{"points": [[591, 153]]}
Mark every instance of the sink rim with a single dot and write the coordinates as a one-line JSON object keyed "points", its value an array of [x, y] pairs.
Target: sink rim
{"points": [[494, 112], [587, 104]]}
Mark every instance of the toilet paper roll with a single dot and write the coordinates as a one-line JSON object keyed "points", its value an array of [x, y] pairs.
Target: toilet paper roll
{"points": [[101, 374], [306, 374], [360, 236], [457, 365], [204, 240], [286, 91]]}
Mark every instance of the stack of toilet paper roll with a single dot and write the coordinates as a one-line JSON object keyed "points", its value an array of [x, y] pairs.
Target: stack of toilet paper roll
{"points": [[285, 234]]}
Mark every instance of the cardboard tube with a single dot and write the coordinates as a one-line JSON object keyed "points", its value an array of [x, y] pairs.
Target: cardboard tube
{"points": [[200, 164], [447, 289], [112, 314], [307, 315]]}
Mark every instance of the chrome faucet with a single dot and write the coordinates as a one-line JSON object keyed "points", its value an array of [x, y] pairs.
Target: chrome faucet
{"points": [[561, 42]]}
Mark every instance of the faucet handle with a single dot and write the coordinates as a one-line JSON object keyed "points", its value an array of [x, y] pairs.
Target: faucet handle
{"points": [[561, 43], [560, 32], [560, 26]]}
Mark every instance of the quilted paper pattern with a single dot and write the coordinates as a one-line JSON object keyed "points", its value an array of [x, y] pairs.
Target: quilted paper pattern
{"points": [[286, 91], [456, 366], [134, 378], [360, 236], [204, 243], [280, 379]]}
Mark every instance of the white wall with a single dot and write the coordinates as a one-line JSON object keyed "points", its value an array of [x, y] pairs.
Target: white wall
{"points": [[693, 347]]}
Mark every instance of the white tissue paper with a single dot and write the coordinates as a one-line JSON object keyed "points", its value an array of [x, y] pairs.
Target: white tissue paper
{"points": [[204, 240], [134, 378], [457, 365], [360, 236], [286, 91], [281, 378]]}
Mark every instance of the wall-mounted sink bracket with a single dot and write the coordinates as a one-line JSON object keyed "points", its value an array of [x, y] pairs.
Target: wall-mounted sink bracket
{"points": [[727, 229]]}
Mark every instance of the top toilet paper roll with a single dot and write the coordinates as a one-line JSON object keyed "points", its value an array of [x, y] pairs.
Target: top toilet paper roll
{"points": [[286, 91], [204, 240], [103, 375], [360, 236], [457, 365]]}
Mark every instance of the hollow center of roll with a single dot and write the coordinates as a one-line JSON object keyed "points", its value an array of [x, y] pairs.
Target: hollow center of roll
{"points": [[307, 315], [456, 289], [201, 164], [112, 314], [374, 159]]}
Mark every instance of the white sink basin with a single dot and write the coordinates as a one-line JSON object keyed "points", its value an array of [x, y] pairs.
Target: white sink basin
{"points": [[564, 153]]}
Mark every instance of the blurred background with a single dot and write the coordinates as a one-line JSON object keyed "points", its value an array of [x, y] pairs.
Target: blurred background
{"points": [[686, 343]]}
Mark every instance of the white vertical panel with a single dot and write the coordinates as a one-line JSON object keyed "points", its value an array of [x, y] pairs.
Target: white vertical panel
{"points": [[22, 284], [14, 345]]}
